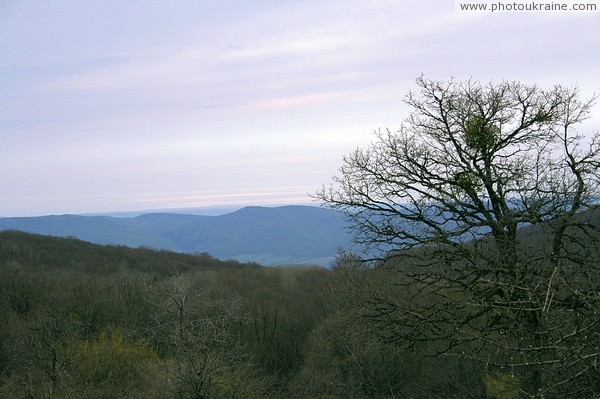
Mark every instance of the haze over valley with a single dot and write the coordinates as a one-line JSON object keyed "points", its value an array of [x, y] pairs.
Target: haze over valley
{"points": [[285, 235]]}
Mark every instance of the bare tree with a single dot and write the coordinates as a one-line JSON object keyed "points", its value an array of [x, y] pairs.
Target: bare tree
{"points": [[207, 360], [485, 203]]}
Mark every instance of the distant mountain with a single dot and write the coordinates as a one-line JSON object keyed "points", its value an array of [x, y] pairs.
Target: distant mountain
{"points": [[271, 236]]}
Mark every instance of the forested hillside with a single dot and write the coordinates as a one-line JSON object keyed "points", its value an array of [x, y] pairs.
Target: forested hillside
{"points": [[79, 320], [283, 235]]}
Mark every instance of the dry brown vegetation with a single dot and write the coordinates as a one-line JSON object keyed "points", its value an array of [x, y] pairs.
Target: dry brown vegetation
{"points": [[84, 321]]}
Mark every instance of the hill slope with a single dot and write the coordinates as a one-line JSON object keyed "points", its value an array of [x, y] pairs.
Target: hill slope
{"points": [[280, 235]]}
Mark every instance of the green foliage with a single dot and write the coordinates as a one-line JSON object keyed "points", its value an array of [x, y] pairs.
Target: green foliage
{"points": [[502, 385], [480, 134], [111, 354]]}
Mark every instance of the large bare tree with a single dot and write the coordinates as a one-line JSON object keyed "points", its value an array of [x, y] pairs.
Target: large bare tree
{"points": [[484, 202]]}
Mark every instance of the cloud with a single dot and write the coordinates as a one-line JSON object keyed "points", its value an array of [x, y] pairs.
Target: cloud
{"points": [[239, 196], [302, 100], [216, 98]]}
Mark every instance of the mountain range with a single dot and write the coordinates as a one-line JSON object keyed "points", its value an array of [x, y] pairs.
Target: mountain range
{"points": [[268, 235]]}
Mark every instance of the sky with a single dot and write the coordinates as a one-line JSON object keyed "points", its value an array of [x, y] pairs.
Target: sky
{"points": [[112, 105]]}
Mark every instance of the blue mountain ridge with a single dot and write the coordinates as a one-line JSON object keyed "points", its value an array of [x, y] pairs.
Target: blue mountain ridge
{"points": [[285, 235]]}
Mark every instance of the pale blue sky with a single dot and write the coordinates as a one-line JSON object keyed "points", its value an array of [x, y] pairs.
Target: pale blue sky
{"points": [[131, 105]]}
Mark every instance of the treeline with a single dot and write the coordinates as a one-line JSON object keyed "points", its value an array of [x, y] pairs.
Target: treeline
{"points": [[84, 321]]}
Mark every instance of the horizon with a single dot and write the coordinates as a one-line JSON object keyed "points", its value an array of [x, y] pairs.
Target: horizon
{"points": [[113, 106], [210, 210]]}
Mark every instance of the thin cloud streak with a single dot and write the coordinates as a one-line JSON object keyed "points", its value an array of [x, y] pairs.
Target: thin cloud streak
{"points": [[270, 195]]}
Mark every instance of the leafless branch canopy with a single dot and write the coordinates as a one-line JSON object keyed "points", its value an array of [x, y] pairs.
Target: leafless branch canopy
{"points": [[486, 202]]}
